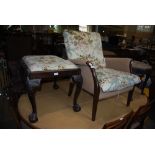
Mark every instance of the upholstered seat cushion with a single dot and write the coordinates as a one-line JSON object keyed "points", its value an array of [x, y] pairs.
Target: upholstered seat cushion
{"points": [[47, 63], [113, 80]]}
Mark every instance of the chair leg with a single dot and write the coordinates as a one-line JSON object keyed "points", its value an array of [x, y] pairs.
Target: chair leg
{"points": [[95, 102], [130, 94]]}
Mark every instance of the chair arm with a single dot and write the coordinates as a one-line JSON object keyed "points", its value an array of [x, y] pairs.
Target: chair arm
{"points": [[96, 83], [96, 91], [121, 64], [92, 69], [86, 71]]}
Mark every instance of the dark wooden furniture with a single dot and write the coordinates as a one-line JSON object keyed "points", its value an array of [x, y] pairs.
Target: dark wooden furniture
{"points": [[18, 44], [8, 99], [33, 83], [132, 120], [139, 116], [119, 123], [4, 77], [135, 53], [141, 69]]}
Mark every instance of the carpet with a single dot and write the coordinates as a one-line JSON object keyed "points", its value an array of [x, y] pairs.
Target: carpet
{"points": [[55, 108]]}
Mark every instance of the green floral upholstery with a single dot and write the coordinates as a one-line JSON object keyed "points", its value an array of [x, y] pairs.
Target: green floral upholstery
{"points": [[112, 80], [87, 46], [47, 63]]}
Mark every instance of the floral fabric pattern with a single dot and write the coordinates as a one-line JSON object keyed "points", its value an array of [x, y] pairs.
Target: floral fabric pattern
{"points": [[87, 47], [112, 80], [47, 63]]}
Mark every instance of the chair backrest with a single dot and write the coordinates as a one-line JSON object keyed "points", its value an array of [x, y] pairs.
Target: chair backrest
{"points": [[84, 45], [139, 116], [119, 123]]}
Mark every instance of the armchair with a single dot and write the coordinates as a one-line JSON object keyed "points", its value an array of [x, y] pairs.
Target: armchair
{"points": [[102, 77]]}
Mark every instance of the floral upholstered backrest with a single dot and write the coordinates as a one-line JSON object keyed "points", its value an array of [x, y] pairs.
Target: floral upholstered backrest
{"points": [[86, 46]]}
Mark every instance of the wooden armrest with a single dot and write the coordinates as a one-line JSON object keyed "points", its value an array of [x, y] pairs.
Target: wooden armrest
{"points": [[96, 83]]}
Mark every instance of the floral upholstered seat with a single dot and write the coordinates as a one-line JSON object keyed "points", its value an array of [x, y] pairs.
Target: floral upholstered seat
{"points": [[114, 80], [87, 47], [47, 63]]}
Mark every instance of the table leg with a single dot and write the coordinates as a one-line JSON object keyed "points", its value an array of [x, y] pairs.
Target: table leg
{"points": [[78, 81]]}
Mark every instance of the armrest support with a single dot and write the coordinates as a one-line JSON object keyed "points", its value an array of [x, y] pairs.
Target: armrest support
{"points": [[96, 83], [96, 90], [121, 64]]}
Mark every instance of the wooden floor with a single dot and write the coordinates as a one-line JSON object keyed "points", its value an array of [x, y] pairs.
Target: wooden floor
{"points": [[55, 108]]}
